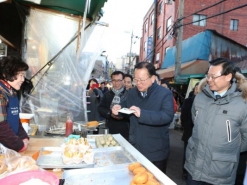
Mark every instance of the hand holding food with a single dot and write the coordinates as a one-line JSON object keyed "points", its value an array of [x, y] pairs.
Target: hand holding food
{"points": [[115, 109]]}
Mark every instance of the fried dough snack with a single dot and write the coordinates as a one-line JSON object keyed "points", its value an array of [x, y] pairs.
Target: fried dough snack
{"points": [[92, 123], [141, 175], [140, 178], [139, 170], [134, 165]]}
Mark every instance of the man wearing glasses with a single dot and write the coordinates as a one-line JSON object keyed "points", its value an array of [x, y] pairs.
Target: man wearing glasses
{"points": [[117, 94], [219, 113], [153, 112]]}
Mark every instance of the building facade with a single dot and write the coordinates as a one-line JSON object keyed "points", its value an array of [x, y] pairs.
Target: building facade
{"points": [[225, 17]]}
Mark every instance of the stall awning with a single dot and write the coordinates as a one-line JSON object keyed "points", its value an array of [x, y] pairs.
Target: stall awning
{"points": [[193, 67], [75, 7]]}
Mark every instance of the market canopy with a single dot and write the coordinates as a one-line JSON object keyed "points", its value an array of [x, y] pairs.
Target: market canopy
{"points": [[75, 7]]}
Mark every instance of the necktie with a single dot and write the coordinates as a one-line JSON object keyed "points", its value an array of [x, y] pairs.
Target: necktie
{"points": [[217, 96]]}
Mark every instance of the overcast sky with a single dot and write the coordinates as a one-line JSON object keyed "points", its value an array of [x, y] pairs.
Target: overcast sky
{"points": [[123, 16]]}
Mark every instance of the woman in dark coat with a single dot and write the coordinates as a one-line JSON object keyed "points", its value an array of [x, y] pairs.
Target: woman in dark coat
{"points": [[186, 121]]}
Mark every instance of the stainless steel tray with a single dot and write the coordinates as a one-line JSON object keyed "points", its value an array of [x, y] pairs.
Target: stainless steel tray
{"points": [[117, 174], [102, 157], [53, 159], [112, 156]]}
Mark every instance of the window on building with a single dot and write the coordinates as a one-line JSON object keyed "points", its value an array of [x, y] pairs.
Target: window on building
{"points": [[145, 46], [168, 24], [152, 19], [234, 25], [157, 57], [160, 10], [159, 33], [146, 27], [198, 17]]}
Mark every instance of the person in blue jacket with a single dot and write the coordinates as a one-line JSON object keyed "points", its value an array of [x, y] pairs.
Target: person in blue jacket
{"points": [[153, 106]]}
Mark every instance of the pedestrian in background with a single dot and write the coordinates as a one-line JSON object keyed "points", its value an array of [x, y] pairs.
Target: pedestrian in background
{"points": [[103, 88], [187, 123], [158, 80], [93, 99], [220, 126], [153, 112], [128, 81], [117, 94]]}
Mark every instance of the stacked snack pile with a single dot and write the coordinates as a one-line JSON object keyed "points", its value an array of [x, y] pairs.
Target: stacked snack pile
{"points": [[106, 141], [76, 151], [141, 175]]}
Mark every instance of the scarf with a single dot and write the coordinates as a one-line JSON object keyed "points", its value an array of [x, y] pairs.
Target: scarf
{"points": [[116, 99]]}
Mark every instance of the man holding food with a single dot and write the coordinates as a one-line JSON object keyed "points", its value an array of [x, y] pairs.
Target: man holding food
{"points": [[153, 112]]}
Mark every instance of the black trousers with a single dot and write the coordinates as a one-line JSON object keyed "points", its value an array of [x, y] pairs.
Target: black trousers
{"points": [[193, 182], [161, 165]]}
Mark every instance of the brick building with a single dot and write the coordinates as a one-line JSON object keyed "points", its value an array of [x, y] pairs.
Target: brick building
{"points": [[161, 19]]}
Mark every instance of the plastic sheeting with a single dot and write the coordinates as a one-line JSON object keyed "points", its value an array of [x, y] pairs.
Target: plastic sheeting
{"points": [[59, 74]]}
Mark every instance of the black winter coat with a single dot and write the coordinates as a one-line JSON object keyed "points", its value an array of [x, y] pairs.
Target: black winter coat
{"points": [[115, 126], [186, 119]]}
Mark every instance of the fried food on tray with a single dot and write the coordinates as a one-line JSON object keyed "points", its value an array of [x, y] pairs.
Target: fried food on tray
{"points": [[139, 170], [92, 123], [140, 178], [134, 165], [141, 175]]}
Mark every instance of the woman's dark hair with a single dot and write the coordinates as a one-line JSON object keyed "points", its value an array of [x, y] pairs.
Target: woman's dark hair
{"points": [[10, 66], [92, 79], [150, 67], [128, 75], [227, 66]]}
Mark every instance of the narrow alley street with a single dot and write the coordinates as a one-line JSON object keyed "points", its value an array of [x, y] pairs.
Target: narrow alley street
{"points": [[174, 165]]}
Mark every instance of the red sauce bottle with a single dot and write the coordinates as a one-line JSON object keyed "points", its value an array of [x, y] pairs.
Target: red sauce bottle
{"points": [[69, 125]]}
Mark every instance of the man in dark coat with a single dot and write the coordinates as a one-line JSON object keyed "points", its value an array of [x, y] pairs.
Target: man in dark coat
{"points": [[117, 94], [153, 112]]}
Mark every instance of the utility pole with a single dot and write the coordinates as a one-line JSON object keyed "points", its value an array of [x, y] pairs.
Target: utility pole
{"points": [[153, 56], [131, 40], [179, 39]]}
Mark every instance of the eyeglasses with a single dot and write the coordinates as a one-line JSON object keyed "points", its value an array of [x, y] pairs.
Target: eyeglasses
{"points": [[117, 81], [212, 77], [140, 80]]}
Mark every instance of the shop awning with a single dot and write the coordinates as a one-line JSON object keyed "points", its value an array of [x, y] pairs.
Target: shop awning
{"points": [[193, 67], [75, 7]]}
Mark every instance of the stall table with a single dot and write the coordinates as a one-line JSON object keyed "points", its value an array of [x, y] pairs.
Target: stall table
{"points": [[35, 144]]}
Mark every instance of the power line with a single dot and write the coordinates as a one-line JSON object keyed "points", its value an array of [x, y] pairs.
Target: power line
{"points": [[174, 26], [203, 9], [215, 15]]}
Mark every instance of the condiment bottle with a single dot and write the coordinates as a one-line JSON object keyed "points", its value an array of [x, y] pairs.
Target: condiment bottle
{"points": [[69, 124]]}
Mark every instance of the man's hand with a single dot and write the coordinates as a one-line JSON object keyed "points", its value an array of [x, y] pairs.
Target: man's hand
{"points": [[137, 110], [115, 109]]}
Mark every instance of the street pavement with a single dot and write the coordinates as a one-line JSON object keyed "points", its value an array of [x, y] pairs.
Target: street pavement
{"points": [[175, 160]]}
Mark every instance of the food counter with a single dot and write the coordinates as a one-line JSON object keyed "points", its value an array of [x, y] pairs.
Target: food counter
{"points": [[36, 144]]}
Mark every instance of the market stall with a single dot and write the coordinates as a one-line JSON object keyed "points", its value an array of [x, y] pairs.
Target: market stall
{"points": [[109, 161]]}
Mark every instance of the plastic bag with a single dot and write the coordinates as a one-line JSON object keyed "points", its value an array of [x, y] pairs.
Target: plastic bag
{"points": [[12, 162]]}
